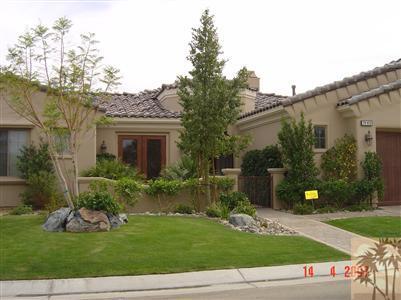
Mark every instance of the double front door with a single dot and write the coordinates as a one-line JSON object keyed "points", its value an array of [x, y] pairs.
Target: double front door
{"points": [[147, 153]]}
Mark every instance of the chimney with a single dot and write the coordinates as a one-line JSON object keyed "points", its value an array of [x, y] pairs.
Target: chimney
{"points": [[253, 81], [293, 89]]}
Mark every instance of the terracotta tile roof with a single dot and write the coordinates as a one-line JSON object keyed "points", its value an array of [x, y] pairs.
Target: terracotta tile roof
{"points": [[140, 105], [385, 88], [285, 101], [394, 65], [264, 102]]}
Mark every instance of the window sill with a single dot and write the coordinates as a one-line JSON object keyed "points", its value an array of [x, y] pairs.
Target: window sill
{"points": [[320, 150], [65, 156], [5, 180]]}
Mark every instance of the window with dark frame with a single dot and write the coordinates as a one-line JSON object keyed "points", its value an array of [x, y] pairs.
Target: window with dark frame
{"points": [[320, 136], [11, 142]]}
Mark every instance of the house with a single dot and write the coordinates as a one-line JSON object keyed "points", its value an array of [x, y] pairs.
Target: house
{"points": [[147, 124]]}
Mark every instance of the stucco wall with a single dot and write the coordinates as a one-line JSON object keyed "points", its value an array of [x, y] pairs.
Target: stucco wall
{"points": [[9, 190]]}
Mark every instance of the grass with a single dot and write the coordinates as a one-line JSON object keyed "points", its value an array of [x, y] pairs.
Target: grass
{"points": [[146, 245], [371, 226]]}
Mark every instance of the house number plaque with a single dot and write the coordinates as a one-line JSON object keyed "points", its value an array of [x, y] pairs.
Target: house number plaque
{"points": [[366, 123]]}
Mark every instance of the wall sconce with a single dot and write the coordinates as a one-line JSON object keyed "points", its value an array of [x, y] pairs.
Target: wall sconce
{"points": [[368, 138], [103, 147]]}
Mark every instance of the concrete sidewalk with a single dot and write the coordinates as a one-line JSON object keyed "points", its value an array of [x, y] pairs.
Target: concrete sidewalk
{"points": [[69, 287], [308, 227]]}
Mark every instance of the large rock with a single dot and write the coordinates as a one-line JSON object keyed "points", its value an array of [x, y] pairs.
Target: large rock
{"points": [[117, 220], [56, 220], [86, 220], [240, 220]]}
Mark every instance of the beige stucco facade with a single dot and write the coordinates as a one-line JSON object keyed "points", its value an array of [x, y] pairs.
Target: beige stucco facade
{"points": [[382, 109]]}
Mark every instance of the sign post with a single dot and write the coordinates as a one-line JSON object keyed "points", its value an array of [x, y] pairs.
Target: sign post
{"points": [[312, 195]]}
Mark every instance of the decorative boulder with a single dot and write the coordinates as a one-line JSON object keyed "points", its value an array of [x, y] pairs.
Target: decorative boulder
{"points": [[117, 220], [239, 220], [85, 220], [56, 220]]}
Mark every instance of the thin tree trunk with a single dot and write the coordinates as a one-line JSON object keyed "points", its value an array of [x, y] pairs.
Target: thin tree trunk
{"points": [[207, 181]]}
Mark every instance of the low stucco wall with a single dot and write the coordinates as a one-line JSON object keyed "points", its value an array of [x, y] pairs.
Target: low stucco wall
{"points": [[10, 190], [148, 203]]}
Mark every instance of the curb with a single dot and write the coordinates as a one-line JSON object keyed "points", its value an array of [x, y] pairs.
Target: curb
{"points": [[59, 287]]}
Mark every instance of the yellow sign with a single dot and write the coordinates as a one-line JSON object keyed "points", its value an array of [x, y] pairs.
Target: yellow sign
{"points": [[311, 195]]}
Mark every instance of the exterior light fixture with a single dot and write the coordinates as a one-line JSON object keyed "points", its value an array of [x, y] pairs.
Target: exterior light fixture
{"points": [[368, 138], [103, 147]]}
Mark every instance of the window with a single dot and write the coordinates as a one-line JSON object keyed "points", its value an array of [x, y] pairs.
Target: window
{"points": [[146, 153], [61, 140], [223, 162], [320, 136], [11, 141]]}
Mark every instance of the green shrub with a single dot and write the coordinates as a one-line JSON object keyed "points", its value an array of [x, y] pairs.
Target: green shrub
{"points": [[372, 168], [256, 162], [232, 200], [128, 190], [183, 209], [41, 190], [102, 201], [326, 209], [21, 210], [223, 184], [303, 209], [291, 193], [340, 161], [359, 207], [245, 207], [111, 169], [32, 160], [35, 165], [105, 156], [296, 141], [183, 169], [337, 192], [213, 211]]}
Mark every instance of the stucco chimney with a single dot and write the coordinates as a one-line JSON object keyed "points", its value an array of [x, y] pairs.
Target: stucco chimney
{"points": [[293, 89], [253, 81]]}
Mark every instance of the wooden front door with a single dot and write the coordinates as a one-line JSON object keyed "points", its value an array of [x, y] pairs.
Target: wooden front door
{"points": [[389, 149], [147, 153]]}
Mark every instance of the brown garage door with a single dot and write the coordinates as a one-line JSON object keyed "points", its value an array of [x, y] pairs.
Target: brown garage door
{"points": [[389, 149]]}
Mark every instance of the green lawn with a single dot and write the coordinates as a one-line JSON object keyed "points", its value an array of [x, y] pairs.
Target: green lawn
{"points": [[146, 245], [371, 226]]}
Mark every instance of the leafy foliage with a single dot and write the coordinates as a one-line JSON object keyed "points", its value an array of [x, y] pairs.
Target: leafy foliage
{"points": [[232, 200], [235, 202], [183, 209], [181, 170], [128, 190], [111, 169], [44, 59], [340, 161], [296, 141], [303, 209], [210, 102], [21, 210], [105, 156], [33, 159], [244, 207], [337, 193], [96, 200], [372, 167], [222, 184], [213, 211], [256, 162], [35, 165]]}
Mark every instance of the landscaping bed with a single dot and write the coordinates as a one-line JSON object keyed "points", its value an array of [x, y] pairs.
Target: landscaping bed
{"points": [[145, 245], [378, 227]]}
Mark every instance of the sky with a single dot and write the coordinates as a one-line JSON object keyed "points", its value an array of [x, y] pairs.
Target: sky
{"points": [[303, 42]]}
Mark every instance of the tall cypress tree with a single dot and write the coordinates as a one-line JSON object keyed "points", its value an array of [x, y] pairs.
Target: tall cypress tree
{"points": [[209, 100]]}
